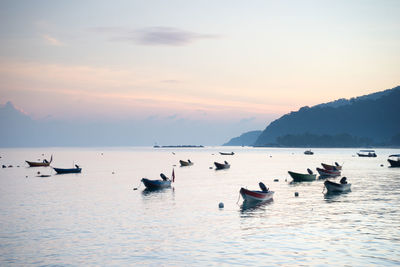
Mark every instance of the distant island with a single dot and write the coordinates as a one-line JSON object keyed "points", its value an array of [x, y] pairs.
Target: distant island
{"points": [[178, 146], [370, 120]]}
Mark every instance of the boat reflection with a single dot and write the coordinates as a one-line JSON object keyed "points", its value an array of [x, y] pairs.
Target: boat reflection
{"points": [[334, 196], [251, 206]]}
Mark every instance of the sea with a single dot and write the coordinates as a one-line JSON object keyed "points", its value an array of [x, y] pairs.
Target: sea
{"points": [[105, 217]]}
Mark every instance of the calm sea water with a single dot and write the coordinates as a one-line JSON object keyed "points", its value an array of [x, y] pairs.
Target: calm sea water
{"points": [[96, 218]]}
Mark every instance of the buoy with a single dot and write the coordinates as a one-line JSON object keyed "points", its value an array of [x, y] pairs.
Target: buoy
{"points": [[113, 172], [221, 205], [210, 168], [276, 180], [135, 188], [296, 194], [381, 165]]}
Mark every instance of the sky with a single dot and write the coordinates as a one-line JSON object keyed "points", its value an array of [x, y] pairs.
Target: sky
{"points": [[234, 64]]}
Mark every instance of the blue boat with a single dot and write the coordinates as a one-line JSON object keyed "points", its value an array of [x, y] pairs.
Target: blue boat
{"points": [[158, 184], [77, 169]]}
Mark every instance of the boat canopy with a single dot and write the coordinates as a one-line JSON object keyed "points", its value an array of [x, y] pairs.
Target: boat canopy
{"points": [[395, 155]]}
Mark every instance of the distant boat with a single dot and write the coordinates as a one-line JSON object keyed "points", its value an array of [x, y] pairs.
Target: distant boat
{"points": [[185, 163], [256, 196], [44, 163], [227, 153], [77, 169], [333, 187], [332, 167], [303, 177], [328, 173], [367, 153], [158, 184], [308, 152], [220, 166], [394, 160]]}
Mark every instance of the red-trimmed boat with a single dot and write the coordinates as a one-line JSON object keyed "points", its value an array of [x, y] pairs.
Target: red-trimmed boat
{"points": [[328, 173], [335, 167], [258, 196]]}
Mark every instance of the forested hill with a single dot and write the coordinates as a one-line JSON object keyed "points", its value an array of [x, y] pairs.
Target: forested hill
{"points": [[368, 120]]}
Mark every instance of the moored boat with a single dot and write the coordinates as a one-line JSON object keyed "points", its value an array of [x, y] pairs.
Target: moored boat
{"points": [[333, 187], [303, 177], [44, 163], [227, 153], [394, 160], [256, 196], [185, 163], [367, 153], [332, 167], [328, 173], [308, 152], [77, 169], [165, 182], [221, 166]]}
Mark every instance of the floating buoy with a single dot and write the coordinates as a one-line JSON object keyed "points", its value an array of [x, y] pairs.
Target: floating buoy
{"points": [[381, 165], [221, 205], [210, 168], [276, 180], [113, 172], [296, 194]]}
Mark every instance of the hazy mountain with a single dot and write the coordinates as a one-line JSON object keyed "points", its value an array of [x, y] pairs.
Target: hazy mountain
{"points": [[367, 120], [246, 139]]}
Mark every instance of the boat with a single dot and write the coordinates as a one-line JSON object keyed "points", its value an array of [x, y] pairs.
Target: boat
{"points": [[328, 173], [44, 163], [394, 160], [185, 163], [332, 167], [303, 177], [165, 182], [221, 166], [77, 169], [257, 196], [333, 187], [367, 153], [308, 152], [227, 153]]}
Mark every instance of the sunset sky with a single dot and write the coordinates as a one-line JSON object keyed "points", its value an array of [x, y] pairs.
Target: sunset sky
{"points": [[238, 62]]}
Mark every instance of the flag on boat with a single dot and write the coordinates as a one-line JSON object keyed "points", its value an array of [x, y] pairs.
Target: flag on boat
{"points": [[173, 175]]}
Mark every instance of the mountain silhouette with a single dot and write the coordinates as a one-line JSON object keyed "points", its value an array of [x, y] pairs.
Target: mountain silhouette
{"points": [[367, 120]]}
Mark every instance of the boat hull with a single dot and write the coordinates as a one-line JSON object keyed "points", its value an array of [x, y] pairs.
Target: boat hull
{"points": [[156, 184], [221, 166], [300, 177], [394, 163], [64, 171], [331, 167], [37, 164], [185, 163], [336, 188], [256, 196], [372, 155], [227, 154], [328, 173]]}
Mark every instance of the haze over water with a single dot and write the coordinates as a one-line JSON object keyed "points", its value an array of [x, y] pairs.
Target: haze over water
{"points": [[96, 218]]}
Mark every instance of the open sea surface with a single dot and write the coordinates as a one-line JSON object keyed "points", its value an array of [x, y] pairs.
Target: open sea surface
{"points": [[96, 218]]}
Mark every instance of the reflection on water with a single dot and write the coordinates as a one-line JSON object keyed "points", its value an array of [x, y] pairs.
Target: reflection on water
{"points": [[95, 218]]}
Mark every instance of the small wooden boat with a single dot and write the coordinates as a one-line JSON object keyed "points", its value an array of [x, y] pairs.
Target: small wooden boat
{"points": [[394, 160], [227, 154], [185, 163], [328, 173], [256, 196], [308, 152], [220, 166], [332, 167], [77, 169], [333, 187], [44, 163], [367, 153], [158, 184], [303, 177]]}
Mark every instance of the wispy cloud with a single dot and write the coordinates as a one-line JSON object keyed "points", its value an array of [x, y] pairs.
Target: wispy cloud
{"points": [[51, 40], [154, 35]]}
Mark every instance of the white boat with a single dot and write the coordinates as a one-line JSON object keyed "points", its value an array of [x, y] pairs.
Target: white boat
{"points": [[369, 153], [333, 187]]}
